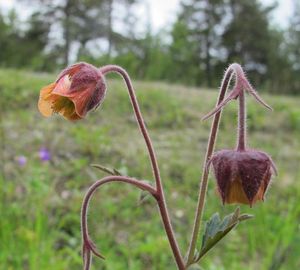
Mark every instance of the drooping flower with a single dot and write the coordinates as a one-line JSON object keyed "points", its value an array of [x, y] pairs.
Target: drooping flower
{"points": [[242, 176], [78, 89]]}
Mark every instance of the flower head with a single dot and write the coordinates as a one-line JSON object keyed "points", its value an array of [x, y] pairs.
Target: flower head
{"points": [[22, 160], [78, 89], [44, 154], [242, 176]]}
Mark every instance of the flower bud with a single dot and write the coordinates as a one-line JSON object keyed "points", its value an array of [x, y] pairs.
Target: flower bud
{"points": [[78, 89], [242, 176]]}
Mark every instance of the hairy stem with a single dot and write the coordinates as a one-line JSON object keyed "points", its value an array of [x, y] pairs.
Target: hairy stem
{"points": [[139, 118], [204, 179], [86, 258], [160, 197], [241, 144], [88, 246], [91, 190]]}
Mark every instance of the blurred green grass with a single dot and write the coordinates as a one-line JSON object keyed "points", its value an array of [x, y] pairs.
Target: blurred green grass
{"points": [[40, 202]]}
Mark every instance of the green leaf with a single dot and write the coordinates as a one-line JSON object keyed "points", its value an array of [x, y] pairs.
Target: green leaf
{"points": [[216, 229], [106, 170]]}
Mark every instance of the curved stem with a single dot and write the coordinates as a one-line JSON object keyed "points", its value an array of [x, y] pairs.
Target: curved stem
{"points": [[91, 190], [139, 118], [204, 179], [88, 246], [241, 144], [160, 191]]}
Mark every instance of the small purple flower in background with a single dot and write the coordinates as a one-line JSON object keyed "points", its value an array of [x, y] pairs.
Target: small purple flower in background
{"points": [[22, 160], [44, 154]]}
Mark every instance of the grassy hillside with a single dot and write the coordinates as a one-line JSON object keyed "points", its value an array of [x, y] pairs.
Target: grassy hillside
{"points": [[40, 201]]}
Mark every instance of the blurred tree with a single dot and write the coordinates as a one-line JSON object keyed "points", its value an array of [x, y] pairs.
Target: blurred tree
{"points": [[278, 67], [82, 21], [152, 56], [144, 56], [186, 67], [71, 16], [247, 38], [117, 40], [294, 48], [294, 36], [23, 47], [35, 41], [206, 36], [9, 39], [196, 38]]}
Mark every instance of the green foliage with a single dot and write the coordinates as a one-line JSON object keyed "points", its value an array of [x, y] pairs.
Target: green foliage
{"points": [[24, 48], [197, 25], [216, 229], [249, 22], [162, 107], [294, 48], [205, 37]]}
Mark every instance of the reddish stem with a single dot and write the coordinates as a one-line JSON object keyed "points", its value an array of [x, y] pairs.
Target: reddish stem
{"points": [[204, 178], [112, 68], [160, 197], [91, 190], [241, 144], [86, 258], [87, 243]]}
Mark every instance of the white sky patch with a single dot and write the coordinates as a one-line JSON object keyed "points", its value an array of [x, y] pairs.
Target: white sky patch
{"points": [[161, 12], [282, 14], [158, 14], [24, 10]]}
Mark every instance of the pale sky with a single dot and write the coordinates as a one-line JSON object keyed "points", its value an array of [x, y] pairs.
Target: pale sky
{"points": [[283, 12], [162, 12]]}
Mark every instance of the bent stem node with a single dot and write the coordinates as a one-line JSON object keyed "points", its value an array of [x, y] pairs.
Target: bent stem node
{"points": [[88, 246], [158, 192]]}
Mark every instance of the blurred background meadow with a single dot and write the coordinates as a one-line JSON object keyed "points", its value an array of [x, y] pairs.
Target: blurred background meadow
{"points": [[176, 52]]}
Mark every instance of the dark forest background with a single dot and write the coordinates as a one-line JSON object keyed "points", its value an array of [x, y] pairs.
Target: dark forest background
{"points": [[206, 36]]}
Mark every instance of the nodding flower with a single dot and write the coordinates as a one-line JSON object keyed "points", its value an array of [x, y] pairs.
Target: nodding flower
{"points": [[243, 175], [44, 154], [77, 90]]}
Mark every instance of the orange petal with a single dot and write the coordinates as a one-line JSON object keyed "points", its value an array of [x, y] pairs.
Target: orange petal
{"points": [[45, 101], [81, 100], [63, 86], [80, 97], [260, 194], [236, 193], [72, 117]]}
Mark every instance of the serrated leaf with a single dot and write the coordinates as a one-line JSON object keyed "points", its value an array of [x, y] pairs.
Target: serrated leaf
{"points": [[216, 229]]}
